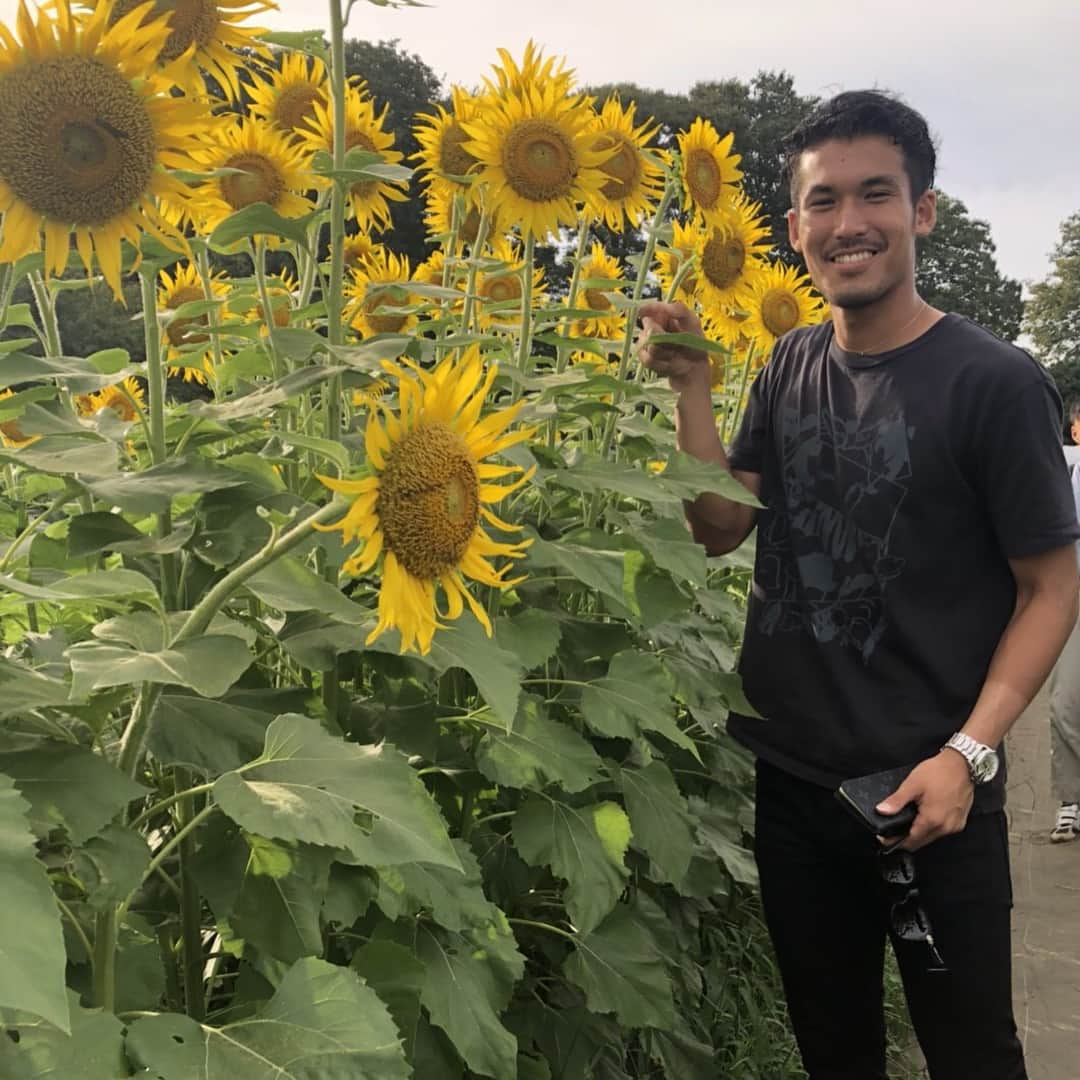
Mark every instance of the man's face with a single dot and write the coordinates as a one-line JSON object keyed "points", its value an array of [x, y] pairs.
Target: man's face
{"points": [[854, 221], [1074, 430]]}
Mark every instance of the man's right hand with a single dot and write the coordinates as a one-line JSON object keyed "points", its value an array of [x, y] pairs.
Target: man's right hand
{"points": [[683, 365]]}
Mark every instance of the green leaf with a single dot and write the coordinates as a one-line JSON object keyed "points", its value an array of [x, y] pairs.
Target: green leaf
{"points": [[469, 980], [536, 752], [266, 398], [66, 455], [322, 1023], [260, 219], [721, 833], [31, 942], [277, 908], [98, 531], [22, 689], [308, 786], [634, 697], [672, 549], [566, 838], [78, 375], [395, 974], [688, 477], [613, 828], [208, 665], [209, 736], [691, 341], [93, 1051], [621, 971], [659, 817], [69, 786], [315, 642], [109, 588], [288, 585], [111, 865], [153, 490], [456, 902], [531, 635], [311, 41], [604, 571]]}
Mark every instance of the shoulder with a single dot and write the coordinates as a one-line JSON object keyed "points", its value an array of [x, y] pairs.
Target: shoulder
{"points": [[797, 349], [998, 366]]}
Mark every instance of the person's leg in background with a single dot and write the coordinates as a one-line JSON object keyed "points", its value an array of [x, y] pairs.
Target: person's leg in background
{"points": [[964, 1017], [826, 916], [1065, 739]]}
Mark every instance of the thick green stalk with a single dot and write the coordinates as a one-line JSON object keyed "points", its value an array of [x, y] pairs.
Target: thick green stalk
{"points": [[213, 317], [106, 926], [732, 413], [571, 297], [524, 361], [47, 311], [190, 902], [475, 250]]}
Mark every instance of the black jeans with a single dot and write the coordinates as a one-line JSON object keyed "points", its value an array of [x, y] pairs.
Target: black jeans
{"points": [[827, 910]]}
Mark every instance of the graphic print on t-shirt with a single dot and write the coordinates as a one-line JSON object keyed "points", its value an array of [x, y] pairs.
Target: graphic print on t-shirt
{"points": [[844, 481]]}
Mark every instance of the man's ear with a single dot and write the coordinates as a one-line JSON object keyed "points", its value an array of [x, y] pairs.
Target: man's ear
{"points": [[926, 213], [793, 230]]}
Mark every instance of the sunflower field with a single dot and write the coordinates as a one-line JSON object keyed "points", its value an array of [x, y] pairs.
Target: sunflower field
{"points": [[362, 707]]}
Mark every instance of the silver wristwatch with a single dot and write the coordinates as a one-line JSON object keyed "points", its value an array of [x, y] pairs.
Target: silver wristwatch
{"points": [[982, 761]]}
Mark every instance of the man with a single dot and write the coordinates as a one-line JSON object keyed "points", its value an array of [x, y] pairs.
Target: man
{"points": [[915, 579], [1065, 693]]}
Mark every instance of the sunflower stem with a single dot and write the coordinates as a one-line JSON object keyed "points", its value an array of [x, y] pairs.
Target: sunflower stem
{"points": [[525, 345], [106, 930], [202, 262], [474, 251], [571, 299], [190, 899], [732, 412], [47, 310]]}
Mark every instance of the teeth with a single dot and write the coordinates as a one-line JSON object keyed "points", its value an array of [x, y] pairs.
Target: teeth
{"points": [[853, 256]]}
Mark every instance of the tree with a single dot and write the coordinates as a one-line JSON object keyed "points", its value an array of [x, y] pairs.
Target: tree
{"points": [[1052, 314], [957, 271]]}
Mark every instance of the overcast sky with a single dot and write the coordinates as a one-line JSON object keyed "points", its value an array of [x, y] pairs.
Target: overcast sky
{"points": [[998, 80]]}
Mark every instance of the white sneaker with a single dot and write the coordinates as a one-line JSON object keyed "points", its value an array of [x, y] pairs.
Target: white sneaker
{"points": [[1067, 826]]}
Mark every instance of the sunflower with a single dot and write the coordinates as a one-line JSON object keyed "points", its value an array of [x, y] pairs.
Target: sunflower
{"points": [[88, 137], [709, 171], [275, 172], [609, 322], [369, 295], [685, 242], [501, 286], [125, 399], [634, 182], [780, 299], [442, 138], [368, 199], [537, 156], [438, 218], [369, 395], [535, 70], [730, 254], [286, 97], [282, 289], [209, 31], [182, 333], [423, 506], [359, 247], [11, 435]]}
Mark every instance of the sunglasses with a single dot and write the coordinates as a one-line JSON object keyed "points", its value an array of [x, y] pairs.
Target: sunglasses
{"points": [[907, 914]]}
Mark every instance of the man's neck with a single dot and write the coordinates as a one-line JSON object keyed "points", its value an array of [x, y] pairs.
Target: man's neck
{"points": [[885, 325]]}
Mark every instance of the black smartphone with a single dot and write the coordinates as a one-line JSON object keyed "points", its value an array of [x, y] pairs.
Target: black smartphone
{"points": [[861, 795]]}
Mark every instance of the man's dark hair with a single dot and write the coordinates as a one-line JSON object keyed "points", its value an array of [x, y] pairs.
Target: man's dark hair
{"points": [[1074, 410], [865, 112]]}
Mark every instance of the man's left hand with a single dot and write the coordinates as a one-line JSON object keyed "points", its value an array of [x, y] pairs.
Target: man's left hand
{"points": [[941, 787]]}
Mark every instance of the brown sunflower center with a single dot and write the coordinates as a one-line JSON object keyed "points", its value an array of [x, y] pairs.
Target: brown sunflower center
{"points": [[281, 306], [384, 323], [500, 289], [453, 157], [623, 167], [539, 161], [779, 312], [429, 501], [723, 259], [703, 178], [77, 144], [597, 300], [295, 106], [179, 331], [470, 227], [190, 22], [688, 285], [259, 181]]}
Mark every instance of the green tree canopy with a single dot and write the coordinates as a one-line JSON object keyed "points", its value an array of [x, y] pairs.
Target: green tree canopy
{"points": [[1052, 314]]}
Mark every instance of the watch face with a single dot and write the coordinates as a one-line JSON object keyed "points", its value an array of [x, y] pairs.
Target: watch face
{"points": [[985, 766]]}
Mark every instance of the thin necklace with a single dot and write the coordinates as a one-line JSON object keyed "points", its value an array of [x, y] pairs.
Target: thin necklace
{"points": [[895, 333]]}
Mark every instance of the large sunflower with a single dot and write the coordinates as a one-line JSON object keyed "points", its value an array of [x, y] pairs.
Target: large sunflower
{"points": [[608, 322], [535, 70], [125, 399], [442, 138], [438, 218], [188, 347], [423, 505], [359, 247], [778, 300], [369, 199], [370, 300], [207, 31], [274, 171], [634, 182], [88, 137], [730, 254], [286, 97], [684, 245], [500, 287], [709, 171], [537, 156]]}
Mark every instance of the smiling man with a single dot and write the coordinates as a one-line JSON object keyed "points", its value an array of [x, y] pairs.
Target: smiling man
{"points": [[915, 579]]}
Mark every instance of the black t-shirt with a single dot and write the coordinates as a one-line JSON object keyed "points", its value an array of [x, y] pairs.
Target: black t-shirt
{"points": [[895, 488]]}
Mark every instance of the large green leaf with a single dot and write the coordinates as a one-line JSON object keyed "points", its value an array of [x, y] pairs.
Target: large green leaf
{"points": [[69, 786], [93, 1051], [107, 588], [671, 548], [208, 665], [91, 533], [395, 974], [259, 219], [288, 585], [315, 642], [721, 833], [308, 786], [32, 956], [67, 455], [266, 398], [659, 817], [605, 571], [531, 635], [621, 970], [152, 490], [634, 697], [688, 477], [537, 752], [568, 839], [79, 375], [468, 981], [323, 1023], [111, 865], [456, 902], [210, 736], [22, 688]]}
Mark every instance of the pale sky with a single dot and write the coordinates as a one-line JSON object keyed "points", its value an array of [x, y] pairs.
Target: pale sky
{"points": [[997, 80]]}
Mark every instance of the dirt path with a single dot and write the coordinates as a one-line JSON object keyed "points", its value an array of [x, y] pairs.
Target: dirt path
{"points": [[1046, 919]]}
